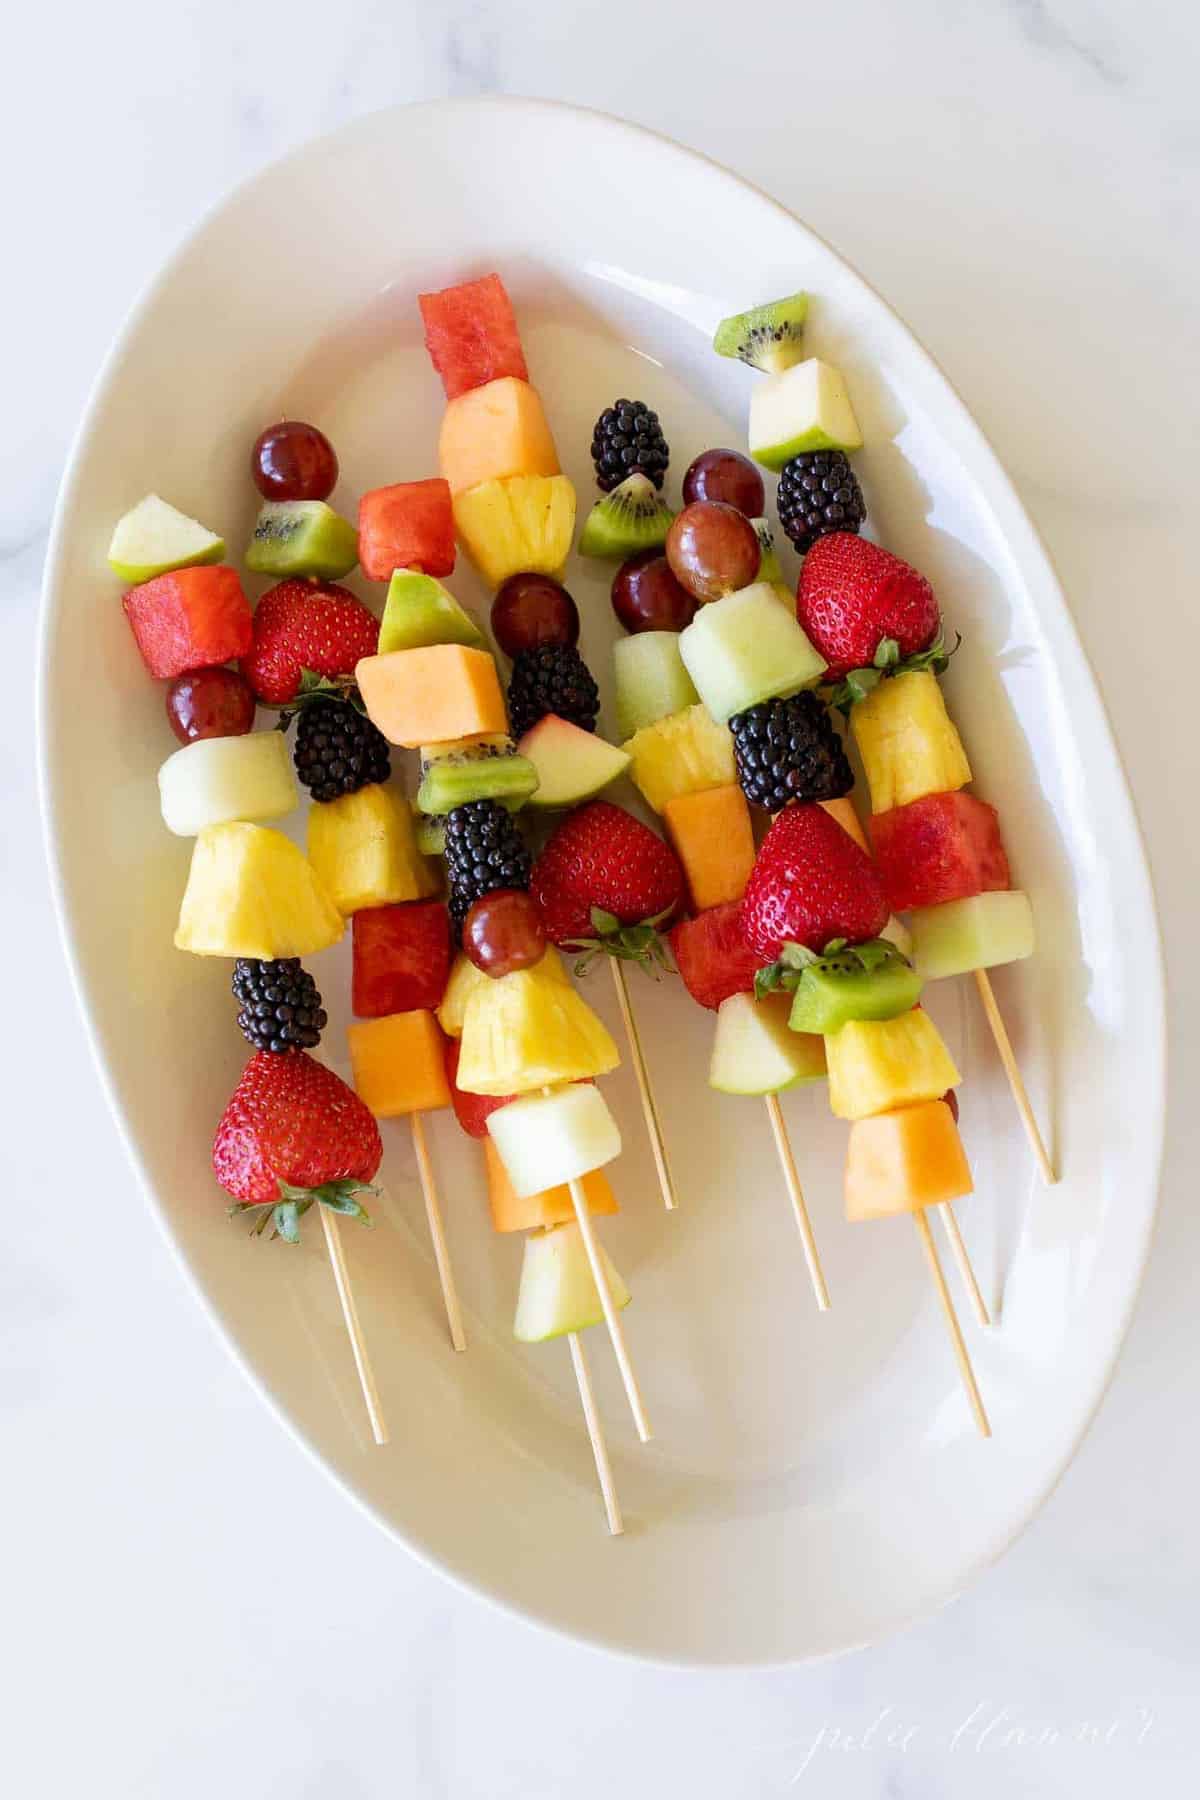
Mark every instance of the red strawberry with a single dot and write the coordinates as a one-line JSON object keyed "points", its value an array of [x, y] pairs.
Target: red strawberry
{"points": [[471, 1110], [713, 956], [810, 883], [852, 595], [294, 1133], [601, 856], [302, 625]]}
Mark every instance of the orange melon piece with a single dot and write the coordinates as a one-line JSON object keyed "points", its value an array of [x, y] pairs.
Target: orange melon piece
{"points": [[843, 811], [432, 695], [901, 1161], [714, 840], [399, 1063], [495, 431], [510, 1213]]}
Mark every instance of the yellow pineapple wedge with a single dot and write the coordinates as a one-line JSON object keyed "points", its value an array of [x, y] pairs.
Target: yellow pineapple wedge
{"points": [[523, 522], [907, 740], [251, 892], [364, 849], [877, 1065], [465, 978], [527, 1031], [685, 753]]}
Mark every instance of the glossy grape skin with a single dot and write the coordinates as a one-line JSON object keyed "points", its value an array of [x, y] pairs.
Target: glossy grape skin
{"points": [[503, 932], [530, 610], [210, 703], [713, 549], [294, 461], [729, 476], [647, 597]]}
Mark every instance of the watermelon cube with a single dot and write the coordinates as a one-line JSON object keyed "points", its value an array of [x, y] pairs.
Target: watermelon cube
{"points": [[409, 525], [471, 1110], [190, 619], [712, 955], [401, 958], [943, 847], [471, 335]]}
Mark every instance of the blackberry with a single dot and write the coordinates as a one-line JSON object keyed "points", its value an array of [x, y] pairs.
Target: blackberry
{"points": [[281, 1008], [819, 493], [788, 750], [338, 750], [627, 439], [551, 678], [484, 850]]}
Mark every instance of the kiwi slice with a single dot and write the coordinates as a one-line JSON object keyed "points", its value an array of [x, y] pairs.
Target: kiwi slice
{"points": [[858, 981], [633, 517], [481, 768], [430, 833], [769, 337], [769, 568], [302, 537]]}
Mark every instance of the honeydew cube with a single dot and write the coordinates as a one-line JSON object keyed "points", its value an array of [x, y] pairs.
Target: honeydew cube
{"points": [[746, 648], [558, 1292], [981, 932], [154, 537], [251, 892], [755, 1052], [908, 742], [651, 680], [214, 780], [546, 1139], [899, 1162], [876, 1065], [364, 849], [802, 408]]}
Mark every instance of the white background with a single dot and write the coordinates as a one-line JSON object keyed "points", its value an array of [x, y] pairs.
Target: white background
{"points": [[186, 1607]]}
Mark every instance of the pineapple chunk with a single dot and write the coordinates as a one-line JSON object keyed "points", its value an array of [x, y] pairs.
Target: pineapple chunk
{"points": [[686, 753], [251, 892], [465, 978], [523, 522], [364, 849], [877, 1065], [523, 1032], [908, 742]]}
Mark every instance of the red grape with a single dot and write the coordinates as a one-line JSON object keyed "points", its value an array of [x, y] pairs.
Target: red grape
{"points": [[647, 597], [503, 932], [713, 549], [294, 461], [530, 610], [729, 476], [210, 703]]}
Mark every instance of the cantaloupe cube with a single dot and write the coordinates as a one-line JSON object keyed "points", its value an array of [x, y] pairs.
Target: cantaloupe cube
{"points": [[495, 431], [908, 742], [430, 696], [843, 811], [876, 1065], [364, 849], [551, 1207], [901, 1161], [399, 1064], [714, 840]]}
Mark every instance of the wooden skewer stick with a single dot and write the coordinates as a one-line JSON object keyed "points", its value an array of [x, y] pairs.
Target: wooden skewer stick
{"points": [[441, 1250], [1015, 1082], [587, 1399], [358, 1342], [787, 1163], [649, 1108], [612, 1317], [958, 1250], [952, 1324]]}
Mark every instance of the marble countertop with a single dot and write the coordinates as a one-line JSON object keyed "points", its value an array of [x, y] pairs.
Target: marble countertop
{"points": [[189, 1607]]}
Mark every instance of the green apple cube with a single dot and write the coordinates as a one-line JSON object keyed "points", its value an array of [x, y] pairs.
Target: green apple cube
{"points": [[215, 781], [804, 408], [978, 933], [746, 648], [571, 764], [547, 1139], [558, 1292], [652, 682], [755, 1052], [420, 612], [302, 537], [154, 537]]}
